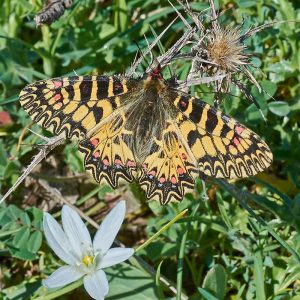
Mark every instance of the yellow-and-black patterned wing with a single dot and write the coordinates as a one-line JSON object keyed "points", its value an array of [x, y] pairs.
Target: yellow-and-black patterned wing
{"points": [[88, 108], [168, 172], [107, 153], [223, 147], [72, 106]]}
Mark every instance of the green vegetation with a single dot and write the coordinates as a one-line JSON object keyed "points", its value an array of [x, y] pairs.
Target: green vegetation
{"points": [[242, 243]]}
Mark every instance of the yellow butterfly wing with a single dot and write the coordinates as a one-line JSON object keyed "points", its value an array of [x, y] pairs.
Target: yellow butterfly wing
{"points": [[72, 106], [168, 172], [107, 153], [223, 147]]}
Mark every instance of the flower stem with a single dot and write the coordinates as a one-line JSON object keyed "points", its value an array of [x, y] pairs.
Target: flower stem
{"points": [[164, 228]]}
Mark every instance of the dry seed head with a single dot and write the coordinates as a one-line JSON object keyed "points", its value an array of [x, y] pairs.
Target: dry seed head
{"points": [[225, 49]]}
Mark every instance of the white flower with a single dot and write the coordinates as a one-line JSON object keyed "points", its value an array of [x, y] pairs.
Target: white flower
{"points": [[84, 258]]}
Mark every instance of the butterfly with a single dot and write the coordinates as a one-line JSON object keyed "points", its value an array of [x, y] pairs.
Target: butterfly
{"points": [[145, 130]]}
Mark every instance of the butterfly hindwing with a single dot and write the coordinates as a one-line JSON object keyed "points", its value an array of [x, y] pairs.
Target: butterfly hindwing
{"points": [[72, 106], [107, 155], [168, 172], [223, 147]]}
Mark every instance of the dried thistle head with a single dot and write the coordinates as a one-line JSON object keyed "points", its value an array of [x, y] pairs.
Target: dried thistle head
{"points": [[225, 49], [220, 50]]}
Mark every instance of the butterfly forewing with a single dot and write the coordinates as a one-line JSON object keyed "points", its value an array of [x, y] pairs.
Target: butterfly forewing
{"points": [[72, 106]]}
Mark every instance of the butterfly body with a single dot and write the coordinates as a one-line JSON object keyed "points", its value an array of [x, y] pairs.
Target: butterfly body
{"points": [[145, 130]]}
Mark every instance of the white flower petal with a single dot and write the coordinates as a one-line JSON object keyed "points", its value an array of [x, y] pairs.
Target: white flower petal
{"points": [[62, 276], [109, 228], [76, 231], [115, 256], [96, 284], [57, 239]]}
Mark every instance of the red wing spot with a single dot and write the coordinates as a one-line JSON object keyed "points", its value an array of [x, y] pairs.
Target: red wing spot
{"points": [[118, 162], [180, 170], [239, 129], [183, 155], [145, 167], [131, 163], [183, 104], [236, 141], [57, 84], [153, 173], [105, 161], [95, 142], [96, 154], [162, 179], [173, 180], [57, 97]]}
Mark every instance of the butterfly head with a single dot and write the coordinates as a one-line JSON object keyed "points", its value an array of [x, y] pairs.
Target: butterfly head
{"points": [[154, 79], [156, 73]]}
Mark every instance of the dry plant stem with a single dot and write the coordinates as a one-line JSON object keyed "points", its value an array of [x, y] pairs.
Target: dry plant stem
{"points": [[183, 85], [189, 77], [56, 196], [170, 54], [252, 31], [213, 15], [194, 17], [46, 148], [138, 61]]}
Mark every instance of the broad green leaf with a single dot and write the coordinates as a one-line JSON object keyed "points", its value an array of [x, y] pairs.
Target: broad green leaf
{"points": [[34, 242], [215, 281], [127, 282], [279, 108], [207, 295], [21, 238]]}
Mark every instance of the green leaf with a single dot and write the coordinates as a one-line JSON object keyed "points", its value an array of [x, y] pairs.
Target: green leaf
{"points": [[22, 254], [269, 88], [125, 282], [21, 238], [36, 216], [207, 295], [259, 277], [158, 284], [106, 31], [279, 108], [215, 281], [35, 242]]}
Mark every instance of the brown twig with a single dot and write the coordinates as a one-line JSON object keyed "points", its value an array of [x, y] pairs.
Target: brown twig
{"points": [[51, 143]]}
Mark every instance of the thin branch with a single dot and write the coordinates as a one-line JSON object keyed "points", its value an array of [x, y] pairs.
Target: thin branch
{"points": [[213, 15], [167, 57], [138, 61], [46, 148], [197, 81], [252, 31]]}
